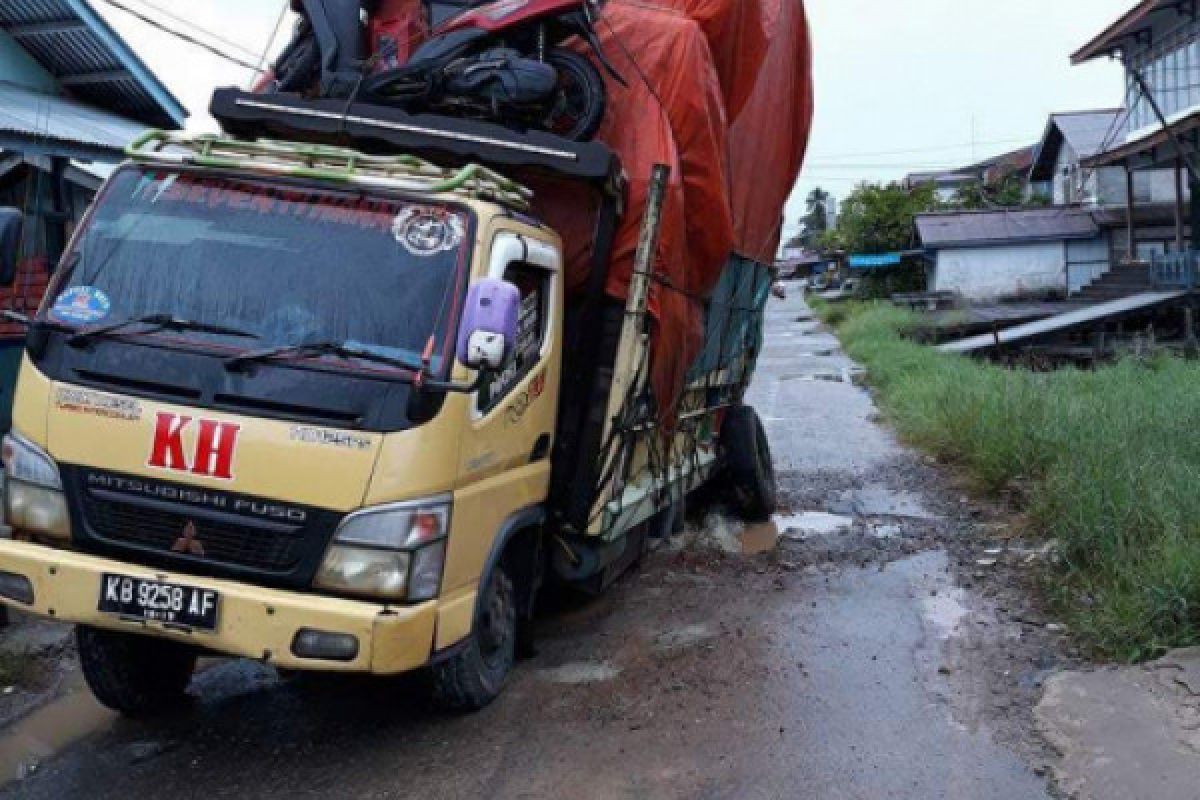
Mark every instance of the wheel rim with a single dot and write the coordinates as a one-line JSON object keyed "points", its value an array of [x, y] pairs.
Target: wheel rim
{"points": [[497, 623]]}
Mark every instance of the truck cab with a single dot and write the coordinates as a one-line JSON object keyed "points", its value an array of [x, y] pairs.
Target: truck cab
{"points": [[289, 403]]}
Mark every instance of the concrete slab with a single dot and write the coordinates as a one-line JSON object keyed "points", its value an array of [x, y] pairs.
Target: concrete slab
{"points": [[1127, 733]]}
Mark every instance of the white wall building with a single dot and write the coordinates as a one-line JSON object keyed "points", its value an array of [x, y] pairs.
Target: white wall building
{"points": [[992, 255]]}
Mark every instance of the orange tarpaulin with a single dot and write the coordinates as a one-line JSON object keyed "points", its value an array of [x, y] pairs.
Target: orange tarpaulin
{"points": [[736, 31], [721, 92], [767, 140], [730, 176]]}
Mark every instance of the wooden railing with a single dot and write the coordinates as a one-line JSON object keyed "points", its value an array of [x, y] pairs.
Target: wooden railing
{"points": [[1176, 270]]}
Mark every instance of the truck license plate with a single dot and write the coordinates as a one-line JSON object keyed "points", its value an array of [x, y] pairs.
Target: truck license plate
{"points": [[169, 603]]}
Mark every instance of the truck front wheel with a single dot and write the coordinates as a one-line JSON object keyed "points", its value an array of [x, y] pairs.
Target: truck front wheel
{"points": [[474, 676], [135, 675]]}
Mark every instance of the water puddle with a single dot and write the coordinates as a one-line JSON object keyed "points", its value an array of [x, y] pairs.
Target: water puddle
{"points": [[760, 538], [876, 501], [945, 611], [851, 375], [579, 673], [689, 636], [47, 731], [812, 523]]}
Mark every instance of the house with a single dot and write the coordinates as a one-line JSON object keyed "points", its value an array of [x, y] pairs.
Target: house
{"points": [[802, 263], [992, 255], [946, 184], [1014, 164], [1158, 41], [992, 172], [72, 96]]}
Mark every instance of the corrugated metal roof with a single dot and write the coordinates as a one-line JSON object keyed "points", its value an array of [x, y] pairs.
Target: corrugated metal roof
{"points": [[1090, 132], [39, 123], [989, 228], [89, 59], [1087, 132]]}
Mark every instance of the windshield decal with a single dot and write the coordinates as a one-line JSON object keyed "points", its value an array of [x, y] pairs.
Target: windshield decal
{"points": [[81, 305], [366, 213], [85, 401], [426, 231]]}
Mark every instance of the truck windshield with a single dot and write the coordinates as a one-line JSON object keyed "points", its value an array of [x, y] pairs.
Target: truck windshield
{"points": [[277, 263]]}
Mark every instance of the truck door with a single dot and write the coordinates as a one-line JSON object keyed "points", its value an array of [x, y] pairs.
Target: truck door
{"points": [[505, 456]]}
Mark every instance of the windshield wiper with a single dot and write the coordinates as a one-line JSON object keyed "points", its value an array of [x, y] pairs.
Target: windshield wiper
{"points": [[155, 323], [33, 322], [327, 348]]}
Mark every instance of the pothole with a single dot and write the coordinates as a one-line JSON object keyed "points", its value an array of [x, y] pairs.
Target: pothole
{"points": [[877, 501], [579, 673], [678, 639], [944, 610], [759, 538], [812, 523]]}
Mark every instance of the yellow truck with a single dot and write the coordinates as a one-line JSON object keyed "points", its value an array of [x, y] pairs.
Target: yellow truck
{"points": [[302, 404]]}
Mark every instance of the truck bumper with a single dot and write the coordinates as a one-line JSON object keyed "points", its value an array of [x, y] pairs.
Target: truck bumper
{"points": [[252, 622]]}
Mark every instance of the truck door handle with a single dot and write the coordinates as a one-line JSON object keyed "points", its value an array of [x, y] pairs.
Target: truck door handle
{"points": [[541, 448]]}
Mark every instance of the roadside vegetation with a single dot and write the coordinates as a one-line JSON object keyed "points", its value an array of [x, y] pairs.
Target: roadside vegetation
{"points": [[1108, 461]]}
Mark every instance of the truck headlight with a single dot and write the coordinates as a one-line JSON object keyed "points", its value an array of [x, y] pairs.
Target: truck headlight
{"points": [[395, 551], [33, 497]]}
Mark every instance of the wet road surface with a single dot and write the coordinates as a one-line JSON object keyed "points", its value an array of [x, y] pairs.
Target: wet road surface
{"points": [[816, 671]]}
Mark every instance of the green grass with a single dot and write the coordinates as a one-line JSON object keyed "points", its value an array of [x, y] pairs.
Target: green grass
{"points": [[1109, 461]]}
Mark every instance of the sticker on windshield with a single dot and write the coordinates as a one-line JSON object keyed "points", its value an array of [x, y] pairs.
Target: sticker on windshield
{"points": [[428, 231], [81, 305]]}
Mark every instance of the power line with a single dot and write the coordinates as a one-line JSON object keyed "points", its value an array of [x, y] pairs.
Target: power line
{"points": [[210, 34], [929, 149], [909, 165], [181, 35]]}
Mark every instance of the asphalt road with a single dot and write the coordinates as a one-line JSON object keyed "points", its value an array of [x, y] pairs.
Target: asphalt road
{"points": [[813, 672]]}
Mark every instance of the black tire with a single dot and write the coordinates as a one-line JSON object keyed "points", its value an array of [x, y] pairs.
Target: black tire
{"points": [[581, 99], [475, 675], [136, 675], [748, 464]]}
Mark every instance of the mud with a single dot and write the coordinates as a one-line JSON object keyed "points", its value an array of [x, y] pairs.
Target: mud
{"points": [[871, 660]]}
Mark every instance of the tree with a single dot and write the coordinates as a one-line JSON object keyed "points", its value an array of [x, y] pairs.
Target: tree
{"points": [[880, 219], [816, 221], [1008, 192]]}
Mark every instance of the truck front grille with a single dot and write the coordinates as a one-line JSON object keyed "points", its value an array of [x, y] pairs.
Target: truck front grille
{"points": [[197, 530], [215, 540]]}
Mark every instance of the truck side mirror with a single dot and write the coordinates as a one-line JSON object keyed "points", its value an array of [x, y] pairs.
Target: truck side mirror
{"points": [[489, 324], [11, 223]]}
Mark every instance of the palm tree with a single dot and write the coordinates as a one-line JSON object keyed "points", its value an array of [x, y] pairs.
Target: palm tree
{"points": [[816, 221]]}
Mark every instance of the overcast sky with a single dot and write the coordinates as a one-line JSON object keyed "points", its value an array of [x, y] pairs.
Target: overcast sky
{"points": [[901, 86]]}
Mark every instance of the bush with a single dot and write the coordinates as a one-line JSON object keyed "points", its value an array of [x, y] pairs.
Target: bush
{"points": [[1110, 458]]}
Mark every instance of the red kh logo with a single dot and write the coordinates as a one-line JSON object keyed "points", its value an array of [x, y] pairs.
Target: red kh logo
{"points": [[212, 456]]}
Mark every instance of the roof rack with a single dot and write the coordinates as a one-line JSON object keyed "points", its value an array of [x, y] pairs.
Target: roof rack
{"points": [[324, 162], [381, 129]]}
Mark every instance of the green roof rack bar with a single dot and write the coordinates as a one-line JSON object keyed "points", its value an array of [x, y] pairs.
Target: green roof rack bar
{"points": [[322, 162]]}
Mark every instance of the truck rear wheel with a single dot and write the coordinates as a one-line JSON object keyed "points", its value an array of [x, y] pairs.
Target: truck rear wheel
{"points": [[135, 675], [474, 676], [748, 464]]}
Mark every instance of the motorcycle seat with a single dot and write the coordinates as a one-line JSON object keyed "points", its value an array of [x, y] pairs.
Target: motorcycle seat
{"points": [[440, 50]]}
